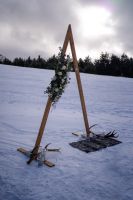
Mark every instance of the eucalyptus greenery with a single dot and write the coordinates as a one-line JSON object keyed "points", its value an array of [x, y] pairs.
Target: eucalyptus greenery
{"points": [[60, 79]]}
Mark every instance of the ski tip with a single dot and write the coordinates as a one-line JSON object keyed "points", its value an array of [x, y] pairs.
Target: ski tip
{"points": [[48, 163], [76, 134]]}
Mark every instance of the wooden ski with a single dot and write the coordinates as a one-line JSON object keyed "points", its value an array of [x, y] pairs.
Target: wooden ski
{"points": [[46, 162], [76, 133]]}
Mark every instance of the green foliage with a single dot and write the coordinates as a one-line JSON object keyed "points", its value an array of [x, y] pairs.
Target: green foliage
{"points": [[60, 79]]}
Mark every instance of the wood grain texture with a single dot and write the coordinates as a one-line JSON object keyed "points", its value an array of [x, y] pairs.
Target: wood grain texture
{"points": [[68, 39]]}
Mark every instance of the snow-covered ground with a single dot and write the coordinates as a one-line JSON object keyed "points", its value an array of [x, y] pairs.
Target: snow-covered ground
{"points": [[102, 175]]}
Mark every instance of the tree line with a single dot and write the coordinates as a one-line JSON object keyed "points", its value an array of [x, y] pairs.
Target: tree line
{"points": [[112, 65]]}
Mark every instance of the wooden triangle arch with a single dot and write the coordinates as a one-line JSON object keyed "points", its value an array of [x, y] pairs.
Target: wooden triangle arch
{"points": [[68, 39]]}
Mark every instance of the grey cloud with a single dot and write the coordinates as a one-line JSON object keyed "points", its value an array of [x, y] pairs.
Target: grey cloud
{"points": [[31, 21], [123, 15], [39, 26]]}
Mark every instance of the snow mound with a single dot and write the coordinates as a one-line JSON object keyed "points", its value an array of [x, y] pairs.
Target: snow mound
{"points": [[105, 174]]}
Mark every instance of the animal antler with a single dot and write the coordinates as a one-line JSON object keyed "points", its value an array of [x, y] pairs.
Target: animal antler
{"points": [[111, 134]]}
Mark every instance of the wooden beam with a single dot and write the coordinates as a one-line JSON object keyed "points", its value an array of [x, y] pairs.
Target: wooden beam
{"points": [[49, 103], [43, 123], [41, 131], [76, 68], [68, 38]]}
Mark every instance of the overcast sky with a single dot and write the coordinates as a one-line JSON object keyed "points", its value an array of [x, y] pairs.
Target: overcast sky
{"points": [[33, 27]]}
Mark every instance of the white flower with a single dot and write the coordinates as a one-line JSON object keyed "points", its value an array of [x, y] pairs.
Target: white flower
{"points": [[56, 89], [54, 78], [63, 80], [60, 73], [64, 67]]}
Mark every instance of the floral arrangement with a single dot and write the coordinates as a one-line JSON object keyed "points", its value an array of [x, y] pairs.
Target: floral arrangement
{"points": [[60, 79]]}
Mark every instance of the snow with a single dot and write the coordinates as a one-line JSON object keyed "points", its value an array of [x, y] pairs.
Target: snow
{"points": [[106, 174]]}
